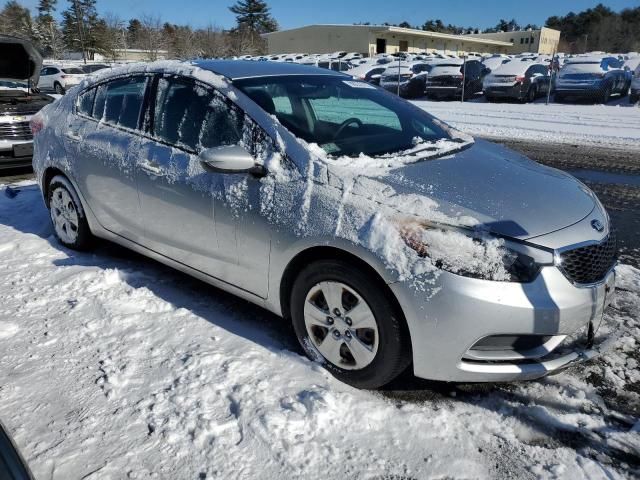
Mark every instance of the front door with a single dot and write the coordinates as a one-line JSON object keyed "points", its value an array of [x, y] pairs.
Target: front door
{"points": [[381, 45], [191, 214]]}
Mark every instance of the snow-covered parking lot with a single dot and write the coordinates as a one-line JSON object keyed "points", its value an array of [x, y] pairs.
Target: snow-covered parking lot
{"points": [[615, 126], [116, 367]]}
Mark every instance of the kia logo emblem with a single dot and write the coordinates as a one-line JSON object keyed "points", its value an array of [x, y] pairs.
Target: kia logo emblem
{"points": [[597, 225]]}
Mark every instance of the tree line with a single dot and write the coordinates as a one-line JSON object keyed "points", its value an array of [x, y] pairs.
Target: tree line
{"points": [[82, 29], [594, 29]]}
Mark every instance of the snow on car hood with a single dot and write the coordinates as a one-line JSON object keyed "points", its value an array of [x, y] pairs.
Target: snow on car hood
{"points": [[19, 60], [501, 190]]}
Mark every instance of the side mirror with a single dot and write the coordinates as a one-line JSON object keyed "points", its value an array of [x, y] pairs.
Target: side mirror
{"points": [[229, 159]]}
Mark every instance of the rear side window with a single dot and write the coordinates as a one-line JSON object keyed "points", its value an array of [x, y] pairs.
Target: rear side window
{"points": [[85, 102], [194, 117], [120, 101]]}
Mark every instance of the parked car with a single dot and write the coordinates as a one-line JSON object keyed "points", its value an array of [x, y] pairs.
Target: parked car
{"points": [[272, 181], [634, 92], [592, 77], [60, 78], [368, 73], [449, 78], [495, 62], [12, 464], [406, 78], [93, 67], [516, 80], [19, 100]]}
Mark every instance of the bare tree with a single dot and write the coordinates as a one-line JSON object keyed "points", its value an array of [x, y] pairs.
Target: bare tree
{"points": [[152, 37]]}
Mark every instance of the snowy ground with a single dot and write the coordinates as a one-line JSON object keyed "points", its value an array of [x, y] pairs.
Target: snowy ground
{"points": [[616, 125], [113, 366]]}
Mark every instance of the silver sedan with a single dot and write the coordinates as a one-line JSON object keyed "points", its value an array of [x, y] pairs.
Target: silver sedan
{"points": [[388, 238]]}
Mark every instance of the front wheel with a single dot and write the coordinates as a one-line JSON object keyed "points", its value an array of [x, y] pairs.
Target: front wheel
{"points": [[633, 98], [67, 215], [345, 321]]}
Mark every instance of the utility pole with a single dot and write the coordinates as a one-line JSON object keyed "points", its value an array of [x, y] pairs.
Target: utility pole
{"points": [[464, 74]]}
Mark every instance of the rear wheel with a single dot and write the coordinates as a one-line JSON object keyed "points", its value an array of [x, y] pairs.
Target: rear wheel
{"points": [[345, 321], [67, 215], [625, 90], [606, 94], [633, 98], [532, 94], [59, 89]]}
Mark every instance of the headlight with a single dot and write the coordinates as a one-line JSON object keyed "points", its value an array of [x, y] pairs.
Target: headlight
{"points": [[470, 253]]}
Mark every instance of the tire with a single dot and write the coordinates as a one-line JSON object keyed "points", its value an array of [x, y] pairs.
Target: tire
{"points": [[633, 98], [67, 215], [625, 90], [383, 346], [606, 95], [532, 94], [59, 89]]}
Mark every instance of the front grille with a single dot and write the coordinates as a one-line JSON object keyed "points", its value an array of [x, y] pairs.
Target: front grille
{"points": [[590, 264], [15, 131]]}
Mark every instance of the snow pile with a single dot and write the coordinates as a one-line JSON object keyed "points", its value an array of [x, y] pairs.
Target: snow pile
{"points": [[116, 367]]}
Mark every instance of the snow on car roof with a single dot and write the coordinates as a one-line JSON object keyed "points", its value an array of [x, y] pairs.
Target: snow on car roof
{"points": [[589, 59], [515, 67]]}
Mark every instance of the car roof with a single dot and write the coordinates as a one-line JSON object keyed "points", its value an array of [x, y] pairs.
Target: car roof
{"points": [[588, 59], [240, 69]]}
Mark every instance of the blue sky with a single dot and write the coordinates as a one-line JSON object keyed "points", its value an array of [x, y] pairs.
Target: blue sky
{"points": [[294, 13]]}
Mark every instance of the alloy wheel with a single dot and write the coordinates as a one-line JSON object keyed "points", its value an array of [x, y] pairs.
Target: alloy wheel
{"points": [[64, 215], [341, 325]]}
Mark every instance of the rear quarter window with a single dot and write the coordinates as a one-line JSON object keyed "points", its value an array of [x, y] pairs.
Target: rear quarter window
{"points": [[84, 103], [119, 102]]}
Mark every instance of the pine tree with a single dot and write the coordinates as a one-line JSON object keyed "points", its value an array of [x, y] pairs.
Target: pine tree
{"points": [[254, 16], [82, 28], [47, 33], [16, 20]]}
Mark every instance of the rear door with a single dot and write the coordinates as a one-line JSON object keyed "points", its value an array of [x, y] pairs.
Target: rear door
{"points": [[107, 144]]}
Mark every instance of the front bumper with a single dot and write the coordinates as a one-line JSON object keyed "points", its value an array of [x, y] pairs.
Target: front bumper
{"points": [[463, 311]]}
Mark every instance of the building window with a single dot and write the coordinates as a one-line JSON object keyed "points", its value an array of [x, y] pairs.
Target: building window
{"points": [[521, 40], [511, 40]]}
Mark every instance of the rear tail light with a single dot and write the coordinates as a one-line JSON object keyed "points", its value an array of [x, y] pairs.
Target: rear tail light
{"points": [[36, 124], [63, 76]]}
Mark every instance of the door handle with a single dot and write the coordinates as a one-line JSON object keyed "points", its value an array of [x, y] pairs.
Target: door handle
{"points": [[71, 135], [151, 167]]}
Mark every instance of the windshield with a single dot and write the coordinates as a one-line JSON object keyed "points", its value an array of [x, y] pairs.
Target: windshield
{"points": [[343, 116]]}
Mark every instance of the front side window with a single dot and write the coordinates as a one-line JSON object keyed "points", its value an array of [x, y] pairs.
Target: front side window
{"points": [[193, 117], [119, 102], [344, 117]]}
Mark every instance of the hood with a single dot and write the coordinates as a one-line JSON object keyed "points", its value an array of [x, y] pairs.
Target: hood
{"points": [[19, 60], [510, 194]]}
